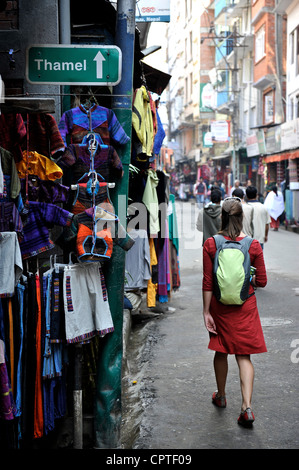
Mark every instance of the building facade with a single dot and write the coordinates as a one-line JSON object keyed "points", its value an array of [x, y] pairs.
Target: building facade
{"points": [[245, 67]]}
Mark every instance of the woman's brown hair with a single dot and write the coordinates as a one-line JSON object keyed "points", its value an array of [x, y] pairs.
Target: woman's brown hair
{"points": [[231, 217]]}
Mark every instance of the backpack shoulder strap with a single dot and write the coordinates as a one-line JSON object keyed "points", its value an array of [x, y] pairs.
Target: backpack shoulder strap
{"points": [[219, 240], [246, 242]]}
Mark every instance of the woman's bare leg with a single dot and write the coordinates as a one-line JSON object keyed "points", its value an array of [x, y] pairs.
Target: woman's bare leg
{"points": [[221, 369], [246, 371]]}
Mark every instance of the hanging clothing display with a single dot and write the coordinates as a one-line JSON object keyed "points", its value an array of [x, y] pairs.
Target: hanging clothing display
{"points": [[36, 238], [12, 133], [11, 265], [87, 310], [7, 404], [153, 281], [59, 175], [10, 219], [95, 232], [44, 135], [150, 199], [150, 184], [106, 161], [77, 122], [35, 164], [142, 122], [159, 136], [138, 261], [174, 243], [9, 180], [43, 190]]}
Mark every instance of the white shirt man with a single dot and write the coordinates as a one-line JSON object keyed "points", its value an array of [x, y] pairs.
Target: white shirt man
{"points": [[261, 217]]}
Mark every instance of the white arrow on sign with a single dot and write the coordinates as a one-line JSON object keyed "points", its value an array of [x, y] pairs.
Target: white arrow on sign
{"points": [[99, 58]]}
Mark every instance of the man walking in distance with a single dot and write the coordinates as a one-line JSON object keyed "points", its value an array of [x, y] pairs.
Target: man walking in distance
{"points": [[200, 191], [261, 217], [247, 211], [209, 217]]}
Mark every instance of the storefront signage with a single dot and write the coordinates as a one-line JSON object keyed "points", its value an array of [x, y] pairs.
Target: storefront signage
{"points": [[252, 145], [220, 131], [73, 64], [208, 98], [148, 11], [290, 134]]}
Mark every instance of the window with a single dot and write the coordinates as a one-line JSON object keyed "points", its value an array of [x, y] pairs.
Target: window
{"points": [[186, 91], [190, 45], [186, 52], [268, 107], [260, 44], [292, 39]]}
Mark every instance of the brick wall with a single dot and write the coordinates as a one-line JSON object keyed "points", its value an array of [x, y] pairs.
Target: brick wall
{"points": [[9, 15]]}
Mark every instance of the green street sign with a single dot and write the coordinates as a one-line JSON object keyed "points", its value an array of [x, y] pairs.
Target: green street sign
{"points": [[73, 64]]}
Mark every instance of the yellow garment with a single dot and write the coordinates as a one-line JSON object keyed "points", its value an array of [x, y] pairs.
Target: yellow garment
{"points": [[152, 288], [38, 165], [142, 120]]}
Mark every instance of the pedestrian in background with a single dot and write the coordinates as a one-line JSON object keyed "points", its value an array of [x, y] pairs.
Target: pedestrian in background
{"points": [[209, 217], [247, 211], [200, 190], [233, 329], [274, 204], [237, 184], [261, 217]]}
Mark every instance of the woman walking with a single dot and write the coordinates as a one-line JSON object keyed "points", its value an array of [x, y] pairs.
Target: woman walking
{"points": [[233, 329], [274, 204]]}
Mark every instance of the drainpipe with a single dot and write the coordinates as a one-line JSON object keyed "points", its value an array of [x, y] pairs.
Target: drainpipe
{"points": [[65, 38], [108, 393], [279, 111]]}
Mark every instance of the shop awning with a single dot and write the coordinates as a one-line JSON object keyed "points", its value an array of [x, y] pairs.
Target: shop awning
{"points": [[279, 157], [15, 104], [220, 157], [156, 80]]}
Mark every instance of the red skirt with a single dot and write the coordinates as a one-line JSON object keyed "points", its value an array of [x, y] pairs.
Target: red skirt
{"points": [[239, 328]]}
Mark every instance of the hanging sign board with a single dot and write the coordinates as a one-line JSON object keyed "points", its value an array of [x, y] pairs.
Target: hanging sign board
{"points": [[73, 64], [148, 11]]}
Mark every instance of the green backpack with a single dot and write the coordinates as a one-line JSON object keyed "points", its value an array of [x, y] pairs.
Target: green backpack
{"points": [[231, 270]]}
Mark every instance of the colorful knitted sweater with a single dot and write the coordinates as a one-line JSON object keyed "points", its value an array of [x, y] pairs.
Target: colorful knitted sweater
{"points": [[41, 217], [78, 122]]}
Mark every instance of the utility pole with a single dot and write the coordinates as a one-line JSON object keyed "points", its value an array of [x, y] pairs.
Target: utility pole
{"points": [[235, 116], [108, 394]]}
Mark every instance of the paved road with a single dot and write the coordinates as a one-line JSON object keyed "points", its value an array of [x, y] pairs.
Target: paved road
{"points": [[171, 367]]}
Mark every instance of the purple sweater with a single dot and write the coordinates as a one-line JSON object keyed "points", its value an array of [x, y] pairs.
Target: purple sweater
{"points": [[41, 217]]}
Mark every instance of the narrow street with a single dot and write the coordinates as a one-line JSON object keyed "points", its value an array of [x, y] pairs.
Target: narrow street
{"points": [[170, 378]]}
